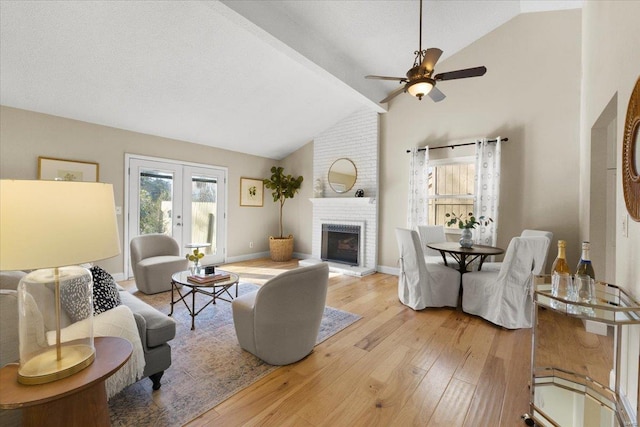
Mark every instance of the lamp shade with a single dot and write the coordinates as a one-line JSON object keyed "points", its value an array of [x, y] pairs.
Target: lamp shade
{"points": [[45, 224], [420, 87]]}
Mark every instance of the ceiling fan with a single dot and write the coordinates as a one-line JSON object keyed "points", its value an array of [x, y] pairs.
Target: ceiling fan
{"points": [[420, 80]]}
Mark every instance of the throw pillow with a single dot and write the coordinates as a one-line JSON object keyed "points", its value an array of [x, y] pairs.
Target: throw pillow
{"points": [[105, 291], [73, 298]]}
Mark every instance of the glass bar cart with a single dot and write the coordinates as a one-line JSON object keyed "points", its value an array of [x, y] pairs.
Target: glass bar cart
{"points": [[576, 358]]}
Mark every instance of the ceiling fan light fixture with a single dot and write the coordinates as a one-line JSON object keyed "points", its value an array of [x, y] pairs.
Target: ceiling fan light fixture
{"points": [[421, 87]]}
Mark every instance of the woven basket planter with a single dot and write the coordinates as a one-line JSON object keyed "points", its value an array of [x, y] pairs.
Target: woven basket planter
{"points": [[281, 249]]}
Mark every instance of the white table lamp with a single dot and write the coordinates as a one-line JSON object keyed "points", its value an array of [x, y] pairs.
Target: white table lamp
{"points": [[52, 225]]}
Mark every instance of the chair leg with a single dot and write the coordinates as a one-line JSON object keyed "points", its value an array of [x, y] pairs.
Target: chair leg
{"points": [[156, 379]]}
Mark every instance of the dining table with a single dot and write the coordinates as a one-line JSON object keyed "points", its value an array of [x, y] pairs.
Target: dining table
{"points": [[464, 256]]}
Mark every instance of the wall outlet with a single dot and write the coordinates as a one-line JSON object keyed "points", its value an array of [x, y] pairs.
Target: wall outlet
{"points": [[118, 210], [250, 245]]}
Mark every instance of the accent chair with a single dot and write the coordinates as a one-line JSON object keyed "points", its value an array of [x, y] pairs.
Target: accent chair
{"points": [[154, 258], [279, 323]]}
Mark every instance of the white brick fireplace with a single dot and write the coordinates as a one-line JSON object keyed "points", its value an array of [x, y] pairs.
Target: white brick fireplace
{"points": [[355, 138]]}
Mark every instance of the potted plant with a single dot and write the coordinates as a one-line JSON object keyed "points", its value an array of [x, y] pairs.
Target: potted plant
{"points": [[466, 224], [284, 187]]}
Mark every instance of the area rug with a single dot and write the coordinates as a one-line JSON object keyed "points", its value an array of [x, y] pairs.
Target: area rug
{"points": [[208, 365]]}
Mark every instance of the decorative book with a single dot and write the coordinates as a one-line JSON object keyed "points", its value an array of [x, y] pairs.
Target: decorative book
{"points": [[208, 278]]}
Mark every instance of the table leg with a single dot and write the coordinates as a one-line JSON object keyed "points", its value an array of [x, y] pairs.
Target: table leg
{"points": [[482, 258], [444, 258], [193, 310], [173, 284]]}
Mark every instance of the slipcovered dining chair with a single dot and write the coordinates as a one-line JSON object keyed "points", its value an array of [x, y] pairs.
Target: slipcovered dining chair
{"points": [[433, 234], [504, 297], [279, 323], [154, 258], [541, 257], [422, 284]]}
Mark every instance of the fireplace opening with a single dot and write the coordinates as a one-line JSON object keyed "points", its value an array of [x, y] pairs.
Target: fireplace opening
{"points": [[341, 243]]}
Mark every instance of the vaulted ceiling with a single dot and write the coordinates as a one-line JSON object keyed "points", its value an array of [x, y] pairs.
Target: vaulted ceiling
{"points": [[258, 77]]}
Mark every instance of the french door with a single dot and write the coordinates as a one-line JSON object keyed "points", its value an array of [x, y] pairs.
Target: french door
{"points": [[185, 201]]}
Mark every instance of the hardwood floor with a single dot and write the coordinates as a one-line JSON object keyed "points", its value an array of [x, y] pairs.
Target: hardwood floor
{"points": [[395, 366]]}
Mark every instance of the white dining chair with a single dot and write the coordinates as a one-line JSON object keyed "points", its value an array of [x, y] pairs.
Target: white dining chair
{"points": [[422, 284], [433, 234], [541, 257], [504, 297]]}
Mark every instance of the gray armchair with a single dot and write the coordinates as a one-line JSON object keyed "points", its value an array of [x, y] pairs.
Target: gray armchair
{"points": [[279, 322], [154, 258]]}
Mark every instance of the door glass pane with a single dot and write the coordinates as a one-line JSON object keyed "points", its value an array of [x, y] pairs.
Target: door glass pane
{"points": [[204, 195], [156, 195]]}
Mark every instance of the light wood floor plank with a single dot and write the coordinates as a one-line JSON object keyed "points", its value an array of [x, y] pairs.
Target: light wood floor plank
{"points": [[396, 366]]}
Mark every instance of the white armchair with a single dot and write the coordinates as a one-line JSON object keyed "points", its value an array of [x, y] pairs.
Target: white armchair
{"points": [[504, 297], [422, 284], [279, 323]]}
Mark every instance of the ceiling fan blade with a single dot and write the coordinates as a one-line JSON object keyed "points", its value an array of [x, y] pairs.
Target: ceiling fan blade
{"points": [[385, 78], [462, 74], [436, 95], [430, 58], [393, 95]]}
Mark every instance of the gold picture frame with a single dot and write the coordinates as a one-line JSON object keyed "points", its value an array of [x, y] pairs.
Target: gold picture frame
{"points": [[251, 192], [53, 169]]}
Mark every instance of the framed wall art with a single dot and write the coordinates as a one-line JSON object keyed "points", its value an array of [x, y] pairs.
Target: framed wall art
{"points": [[251, 192], [67, 170]]}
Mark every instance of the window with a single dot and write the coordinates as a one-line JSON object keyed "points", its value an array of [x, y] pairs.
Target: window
{"points": [[451, 188]]}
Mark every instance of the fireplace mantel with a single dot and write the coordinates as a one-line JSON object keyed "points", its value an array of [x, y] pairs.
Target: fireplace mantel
{"points": [[342, 201]]}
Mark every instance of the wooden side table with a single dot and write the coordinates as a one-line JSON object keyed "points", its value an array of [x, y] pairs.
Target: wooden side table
{"points": [[78, 400]]}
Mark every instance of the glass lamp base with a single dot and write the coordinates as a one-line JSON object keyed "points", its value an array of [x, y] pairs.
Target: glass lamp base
{"points": [[45, 368]]}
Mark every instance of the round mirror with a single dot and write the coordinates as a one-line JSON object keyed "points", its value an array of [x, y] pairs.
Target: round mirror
{"points": [[631, 155], [342, 175]]}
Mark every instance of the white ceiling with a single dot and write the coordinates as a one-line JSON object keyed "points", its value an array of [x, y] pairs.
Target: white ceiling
{"points": [[258, 77]]}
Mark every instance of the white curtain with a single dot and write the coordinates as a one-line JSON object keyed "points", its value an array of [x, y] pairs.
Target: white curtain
{"points": [[418, 206], [487, 190]]}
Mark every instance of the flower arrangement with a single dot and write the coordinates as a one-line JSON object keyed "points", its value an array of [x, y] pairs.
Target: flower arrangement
{"points": [[470, 222], [195, 256]]}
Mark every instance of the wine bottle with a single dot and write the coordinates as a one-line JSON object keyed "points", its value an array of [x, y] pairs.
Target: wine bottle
{"points": [[560, 264], [584, 265], [561, 280]]}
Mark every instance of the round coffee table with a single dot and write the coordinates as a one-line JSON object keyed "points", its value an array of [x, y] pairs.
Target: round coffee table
{"points": [[219, 290]]}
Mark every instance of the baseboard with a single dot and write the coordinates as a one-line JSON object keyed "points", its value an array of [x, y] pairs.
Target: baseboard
{"points": [[388, 270], [247, 257]]}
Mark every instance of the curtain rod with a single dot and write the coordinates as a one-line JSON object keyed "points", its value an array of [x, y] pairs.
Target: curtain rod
{"points": [[452, 146]]}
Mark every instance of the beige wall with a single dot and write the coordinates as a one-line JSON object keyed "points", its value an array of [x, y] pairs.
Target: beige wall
{"points": [[611, 66], [530, 94], [25, 135], [298, 212]]}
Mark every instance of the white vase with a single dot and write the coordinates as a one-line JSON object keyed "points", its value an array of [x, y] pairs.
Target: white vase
{"points": [[466, 241]]}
